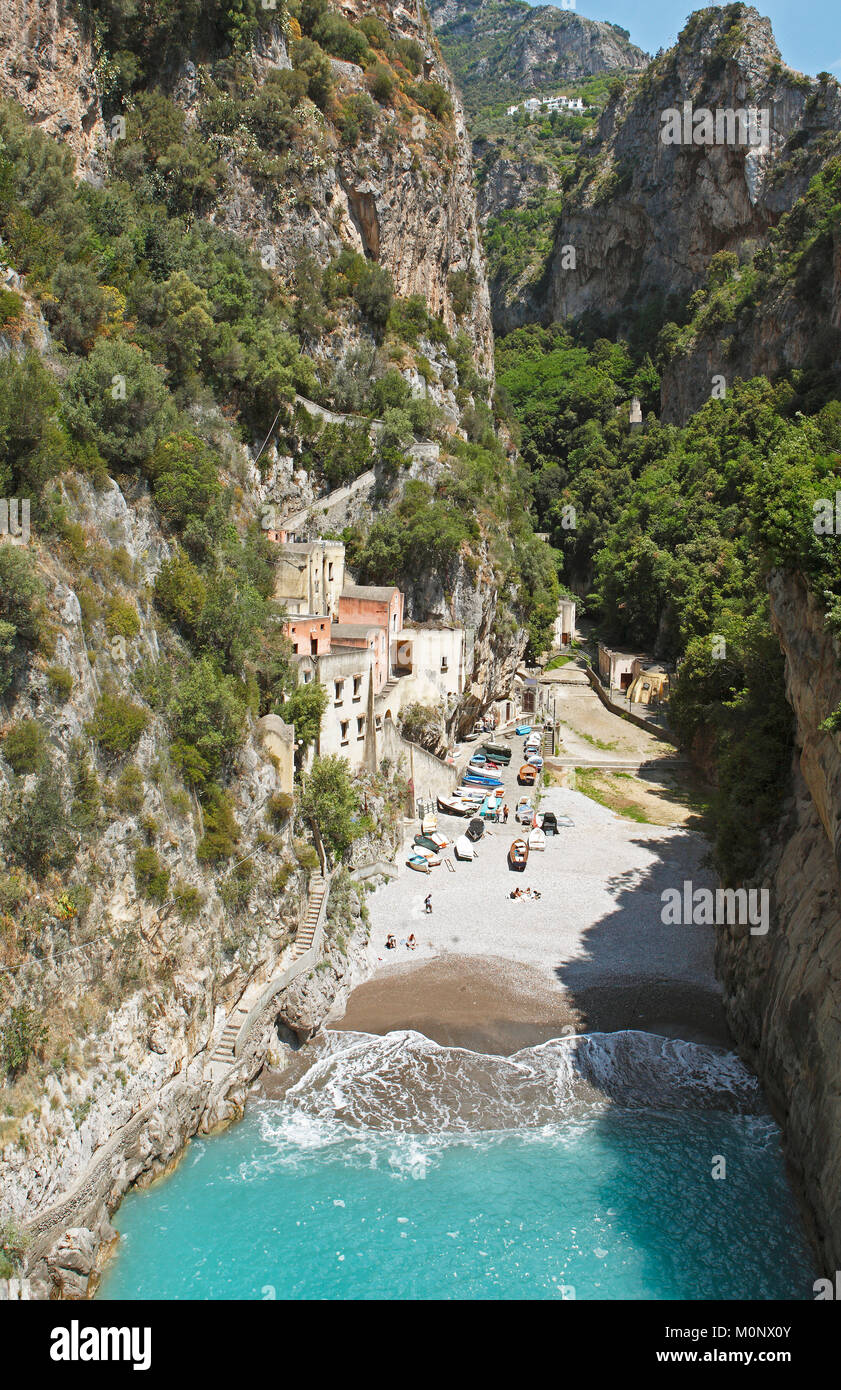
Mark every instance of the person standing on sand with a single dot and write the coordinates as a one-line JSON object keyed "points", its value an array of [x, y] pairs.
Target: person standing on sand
{"points": [[427, 903], [505, 815]]}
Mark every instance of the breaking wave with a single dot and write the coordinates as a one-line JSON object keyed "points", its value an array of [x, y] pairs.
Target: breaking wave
{"points": [[405, 1083]]}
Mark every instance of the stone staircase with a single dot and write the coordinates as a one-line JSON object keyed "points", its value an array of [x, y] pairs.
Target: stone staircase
{"points": [[306, 931], [224, 1050], [224, 1055]]}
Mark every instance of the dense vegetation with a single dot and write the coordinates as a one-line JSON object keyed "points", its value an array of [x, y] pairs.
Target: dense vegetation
{"points": [[671, 531], [172, 341]]}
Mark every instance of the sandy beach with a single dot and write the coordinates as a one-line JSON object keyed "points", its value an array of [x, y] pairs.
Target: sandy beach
{"points": [[591, 954], [492, 1005]]}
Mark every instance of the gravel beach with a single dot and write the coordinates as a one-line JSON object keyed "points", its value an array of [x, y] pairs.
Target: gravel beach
{"points": [[590, 955]]}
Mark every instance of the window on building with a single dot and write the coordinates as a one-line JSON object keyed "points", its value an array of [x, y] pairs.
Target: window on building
{"points": [[295, 648], [360, 728], [357, 687], [307, 677], [339, 687], [443, 663], [329, 569], [345, 725]]}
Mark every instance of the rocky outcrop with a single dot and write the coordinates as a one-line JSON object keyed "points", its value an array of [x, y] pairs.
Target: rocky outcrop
{"points": [[512, 45], [783, 991], [509, 183], [406, 202], [47, 65], [647, 217]]}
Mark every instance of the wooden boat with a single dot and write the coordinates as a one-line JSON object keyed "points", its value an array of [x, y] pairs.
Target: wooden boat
{"points": [[435, 842], [524, 811], [518, 855], [417, 861], [500, 752], [463, 849], [454, 805], [523, 730], [527, 776], [423, 851], [537, 839], [482, 779], [476, 828], [429, 823], [535, 760], [490, 806], [548, 822], [479, 758], [475, 795]]}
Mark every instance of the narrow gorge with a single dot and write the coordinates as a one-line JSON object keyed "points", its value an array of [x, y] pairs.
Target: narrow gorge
{"points": [[304, 317]]}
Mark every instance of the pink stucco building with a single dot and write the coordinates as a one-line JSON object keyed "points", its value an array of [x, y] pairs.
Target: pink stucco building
{"points": [[377, 605]]}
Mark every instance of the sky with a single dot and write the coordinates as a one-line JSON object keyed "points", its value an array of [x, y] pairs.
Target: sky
{"points": [[808, 32]]}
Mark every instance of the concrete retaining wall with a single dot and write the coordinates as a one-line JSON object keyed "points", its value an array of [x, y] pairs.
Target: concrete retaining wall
{"points": [[637, 719], [430, 775]]}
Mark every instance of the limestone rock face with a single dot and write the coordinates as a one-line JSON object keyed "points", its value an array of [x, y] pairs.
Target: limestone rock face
{"points": [[783, 991], [410, 206], [47, 66], [531, 47], [647, 216]]}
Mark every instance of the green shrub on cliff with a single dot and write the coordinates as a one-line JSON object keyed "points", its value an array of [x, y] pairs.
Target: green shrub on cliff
{"points": [[36, 831], [207, 718], [25, 746], [117, 723], [21, 1038], [151, 875]]}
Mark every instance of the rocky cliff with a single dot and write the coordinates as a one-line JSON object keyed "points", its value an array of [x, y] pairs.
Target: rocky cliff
{"points": [[783, 990], [128, 960], [510, 47], [646, 217], [48, 66]]}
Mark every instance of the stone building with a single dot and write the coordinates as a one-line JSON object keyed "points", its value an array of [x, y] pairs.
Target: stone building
{"points": [[309, 577]]}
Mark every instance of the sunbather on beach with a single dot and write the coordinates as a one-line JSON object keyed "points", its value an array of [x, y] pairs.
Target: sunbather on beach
{"points": [[411, 943], [390, 942]]}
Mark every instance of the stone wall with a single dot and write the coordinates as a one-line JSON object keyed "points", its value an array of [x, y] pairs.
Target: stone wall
{"points": [[431, 777]]}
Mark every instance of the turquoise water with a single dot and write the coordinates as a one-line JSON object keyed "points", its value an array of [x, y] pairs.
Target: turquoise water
{"points": [[394, 1168]]}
